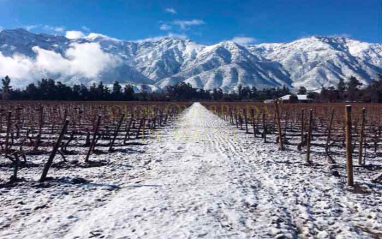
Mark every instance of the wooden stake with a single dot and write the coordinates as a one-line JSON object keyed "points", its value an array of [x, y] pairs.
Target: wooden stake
{"points": [[237, 121], [302, 125], [245, 119], [264, 129], [116, 132], [329, 136], [54, 151], [9, 125], [360, 161], [127, 136], [329, 130], [140, 127], [349, 158], [279, 126], [92, 145], [309, 137], [253, 122]]}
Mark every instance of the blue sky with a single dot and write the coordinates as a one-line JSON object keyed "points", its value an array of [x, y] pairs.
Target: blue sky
{"points": [[205, 21]]}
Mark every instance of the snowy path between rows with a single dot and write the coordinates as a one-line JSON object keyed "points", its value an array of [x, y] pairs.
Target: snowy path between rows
{"points": [[207, 179], [200, 189]]}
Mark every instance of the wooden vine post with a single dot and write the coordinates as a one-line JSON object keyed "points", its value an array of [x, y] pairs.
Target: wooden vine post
{"points": [[116, 132], [264, 129], [9, 125], [308, 139], [349, 159], [140, 127], [245, 120], [253, 121], [54, 151], [360, 161], [236, 119], [329, 136], [279, 126], [127, 135], [329, 130], [92, 145], [302, 125], [144, 127]]}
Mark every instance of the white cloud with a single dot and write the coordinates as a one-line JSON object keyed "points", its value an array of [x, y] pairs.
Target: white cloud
{"points": [[305, 35], [346, 35], [85, 60], [176, 35], [93, 36], [244, 40], [47, 28], [31, 27], [89, 59], [85, 28], [165, 27], [20, 68], [53, 28], [184, 24], [74, 34], [158, 38], [170, 10]]}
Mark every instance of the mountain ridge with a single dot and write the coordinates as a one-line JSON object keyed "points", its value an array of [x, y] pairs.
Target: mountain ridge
{"points": [[311, 62]]}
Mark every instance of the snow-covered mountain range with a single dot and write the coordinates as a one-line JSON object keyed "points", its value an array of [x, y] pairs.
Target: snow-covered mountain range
{"points": [[311, 62]]}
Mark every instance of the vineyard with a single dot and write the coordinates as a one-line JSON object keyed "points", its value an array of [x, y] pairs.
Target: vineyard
{"points": [[327, 131], [75, 128], [183, 169]]}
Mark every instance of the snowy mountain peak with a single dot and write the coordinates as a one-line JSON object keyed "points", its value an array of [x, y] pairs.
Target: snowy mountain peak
{"points": [[100, 37], [17, 32], [312, 62]]}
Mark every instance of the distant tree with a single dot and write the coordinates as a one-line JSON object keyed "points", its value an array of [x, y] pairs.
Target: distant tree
{"points": [[6, 87], [285, 90], [107, 94], [240, 91], [353, 89], [31, 92], [76, 92], [217, 94], [128, 92], [341, 86], [254, 92], [117, 91], [93, 92], [293, 99], [180, 91], [329, 95], [246, 93], [100, 93], [302, 91], [63, 92], [314, 96], [84, 93], [373, 92], [46, 89]]}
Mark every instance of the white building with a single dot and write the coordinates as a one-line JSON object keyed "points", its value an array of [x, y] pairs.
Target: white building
{"points": [[301, 98]]}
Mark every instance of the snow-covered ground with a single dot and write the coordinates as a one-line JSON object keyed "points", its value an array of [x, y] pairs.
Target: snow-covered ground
{"points": [[199, 178]]}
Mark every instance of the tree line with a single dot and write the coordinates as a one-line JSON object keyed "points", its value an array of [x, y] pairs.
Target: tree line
{"points": [[48, 89]]}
